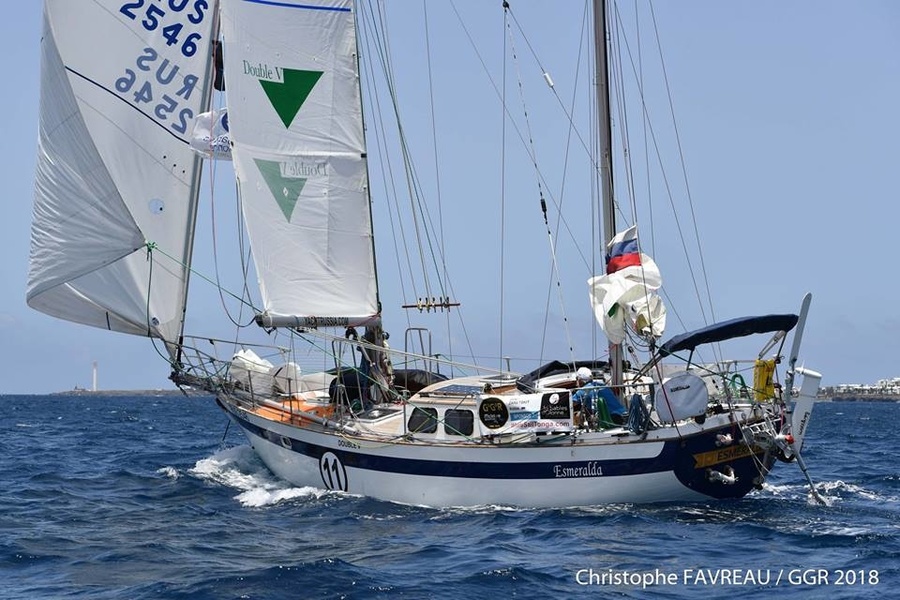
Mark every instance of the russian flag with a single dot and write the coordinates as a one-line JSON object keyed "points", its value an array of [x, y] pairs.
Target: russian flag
{"points": [[622, 251]]}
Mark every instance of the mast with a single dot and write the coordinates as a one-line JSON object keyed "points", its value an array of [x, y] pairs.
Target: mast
{"points": [[604, 124], [379, 377], [362, 109], [196, 173]]}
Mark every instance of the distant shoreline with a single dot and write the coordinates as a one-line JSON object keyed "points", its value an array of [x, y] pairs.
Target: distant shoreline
{"points": [[117, 393], [864, 397]]}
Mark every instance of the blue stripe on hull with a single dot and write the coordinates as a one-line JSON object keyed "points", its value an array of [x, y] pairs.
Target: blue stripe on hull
{"points": [[677, 456], [665, 461]]}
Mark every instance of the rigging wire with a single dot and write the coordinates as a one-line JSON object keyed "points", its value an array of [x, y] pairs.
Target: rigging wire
{"points": [[423, 236], [594, 153], [572, 129], [684, 169], [196, 273], [623, 44], [667, 185], [378, 42], [618, 79], [437, 171], [559, 215], [244, 253], [532, 154], [616, 42], [644, 135], [421, 233], [503, 183], [716, 349], [150, 247], [425, 226], [419, 211], [245, 263], [512, 121], [387, 173], [245, 300]]}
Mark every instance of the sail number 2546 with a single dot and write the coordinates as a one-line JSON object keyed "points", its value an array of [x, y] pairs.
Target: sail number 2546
{"points": [[154, 16], [165, 79], [165, 76]]}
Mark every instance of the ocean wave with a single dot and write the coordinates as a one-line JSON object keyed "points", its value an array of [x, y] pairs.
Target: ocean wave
{"points": [[171, 515], [239, 468], [169, 472], [830, 491]]}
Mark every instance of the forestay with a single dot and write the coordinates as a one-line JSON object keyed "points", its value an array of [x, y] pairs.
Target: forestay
{"points": [[295, 114]]}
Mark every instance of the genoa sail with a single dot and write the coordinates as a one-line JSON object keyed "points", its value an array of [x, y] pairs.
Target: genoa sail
{"points": [[299, 156], [115, 176]]}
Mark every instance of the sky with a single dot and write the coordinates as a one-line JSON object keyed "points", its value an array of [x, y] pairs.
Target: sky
{"points": [[787, 120]]}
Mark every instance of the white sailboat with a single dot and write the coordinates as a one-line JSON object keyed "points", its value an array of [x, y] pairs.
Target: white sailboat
{"points": [[117, 191]]}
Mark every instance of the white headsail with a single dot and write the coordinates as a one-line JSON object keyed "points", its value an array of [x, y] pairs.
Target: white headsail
{"points": [[295, 115], [120, 86]]}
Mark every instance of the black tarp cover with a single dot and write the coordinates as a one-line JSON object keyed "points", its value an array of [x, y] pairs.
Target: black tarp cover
{"points": [[727, 330], [555, 367], [412, 380]]}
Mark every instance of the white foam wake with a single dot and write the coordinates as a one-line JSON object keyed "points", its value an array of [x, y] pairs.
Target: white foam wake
{"points": [[170, 472], [239, 468], [830, 491]]}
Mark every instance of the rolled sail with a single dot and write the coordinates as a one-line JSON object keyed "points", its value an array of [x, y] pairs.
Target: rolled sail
{"points": [[626, 296]]}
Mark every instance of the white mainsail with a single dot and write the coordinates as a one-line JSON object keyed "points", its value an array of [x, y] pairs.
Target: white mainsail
{"points": [[295, 117], [120, 86]]}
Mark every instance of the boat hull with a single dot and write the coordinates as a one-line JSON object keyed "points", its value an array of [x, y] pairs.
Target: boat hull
{"points": [[534, 475]]}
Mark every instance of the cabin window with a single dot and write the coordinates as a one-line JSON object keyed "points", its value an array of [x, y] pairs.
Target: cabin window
{"points": [[459, 422], [422, 420]]}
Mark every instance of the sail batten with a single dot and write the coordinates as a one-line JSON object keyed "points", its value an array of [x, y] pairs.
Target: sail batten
{"points": [[295, 119], [114, 169]]}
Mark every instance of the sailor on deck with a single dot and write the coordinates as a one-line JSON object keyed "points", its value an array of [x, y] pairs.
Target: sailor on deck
{"points": [[593, 396]]}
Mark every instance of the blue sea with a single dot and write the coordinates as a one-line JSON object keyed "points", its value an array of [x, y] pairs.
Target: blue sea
{"points": [[156, 497]]}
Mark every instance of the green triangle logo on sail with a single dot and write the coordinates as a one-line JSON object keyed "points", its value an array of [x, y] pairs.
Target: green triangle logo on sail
{"points": [[288, 96], [285, 189]]}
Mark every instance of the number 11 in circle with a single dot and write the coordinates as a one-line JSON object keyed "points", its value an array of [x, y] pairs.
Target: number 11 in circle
{"points": [[334, 475]]}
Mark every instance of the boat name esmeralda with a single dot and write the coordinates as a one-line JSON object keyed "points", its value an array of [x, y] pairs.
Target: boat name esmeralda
{"points": [[592, 469]]}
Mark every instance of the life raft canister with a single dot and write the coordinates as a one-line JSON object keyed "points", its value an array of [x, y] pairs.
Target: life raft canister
{"points": [[763, 380]]}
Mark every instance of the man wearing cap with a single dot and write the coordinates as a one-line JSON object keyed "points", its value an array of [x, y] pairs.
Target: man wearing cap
{"points": [[591, 394]]}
